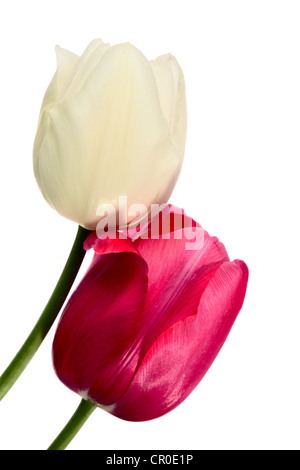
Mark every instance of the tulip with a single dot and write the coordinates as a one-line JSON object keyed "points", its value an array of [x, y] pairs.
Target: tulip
{"points": [[111, 124], [148, 319]]}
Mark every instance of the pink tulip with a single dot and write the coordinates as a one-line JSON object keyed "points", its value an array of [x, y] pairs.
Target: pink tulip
{"points": [[148, 319]]}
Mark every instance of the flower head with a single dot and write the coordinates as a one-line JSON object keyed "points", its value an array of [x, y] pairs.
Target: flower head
{"points": [[111, 124], [149, 318]]}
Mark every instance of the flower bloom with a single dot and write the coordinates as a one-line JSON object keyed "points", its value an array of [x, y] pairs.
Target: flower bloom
{"points": [[148, 319], [111, 124]]}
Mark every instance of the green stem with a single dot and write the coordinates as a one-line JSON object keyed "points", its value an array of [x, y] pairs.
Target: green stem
{"points": [[84, 410], [47, 318]]}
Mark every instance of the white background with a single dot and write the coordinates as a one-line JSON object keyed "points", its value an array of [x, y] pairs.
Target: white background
{"points": [[241, 61]]}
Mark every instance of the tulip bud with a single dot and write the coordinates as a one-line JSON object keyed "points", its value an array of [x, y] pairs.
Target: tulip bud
{"points": [[147, 320], [111, 124]]}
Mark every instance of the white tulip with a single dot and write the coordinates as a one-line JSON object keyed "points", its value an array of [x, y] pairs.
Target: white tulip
{"points": [[111, 124]]}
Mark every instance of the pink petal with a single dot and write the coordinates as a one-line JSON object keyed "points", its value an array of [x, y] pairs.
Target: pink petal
{"points": [[100, 321], [177, 279], [181, 356], [116, 242]]}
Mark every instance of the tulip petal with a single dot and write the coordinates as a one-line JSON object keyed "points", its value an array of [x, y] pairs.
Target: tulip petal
{"points": [[66, 61], [171, 89], [177, 277], [100, 321], [84, 67], [182, 355]]}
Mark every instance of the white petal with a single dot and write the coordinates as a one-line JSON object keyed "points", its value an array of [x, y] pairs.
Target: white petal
{"points": [[84, 67], [171, 88], [66, 61]]}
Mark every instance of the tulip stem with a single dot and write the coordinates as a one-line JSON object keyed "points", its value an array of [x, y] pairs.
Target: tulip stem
{"points": [[78, 419], [47, 318]]}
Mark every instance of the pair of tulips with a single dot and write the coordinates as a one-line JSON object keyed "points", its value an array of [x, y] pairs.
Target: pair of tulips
{"points": [[149, 317]]}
